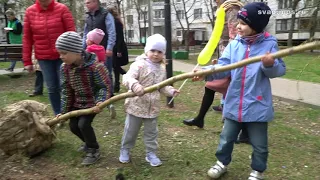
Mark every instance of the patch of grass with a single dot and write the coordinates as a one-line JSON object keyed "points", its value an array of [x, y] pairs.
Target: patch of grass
{"points": [[4, 65], [135, 51], [186, 152]]}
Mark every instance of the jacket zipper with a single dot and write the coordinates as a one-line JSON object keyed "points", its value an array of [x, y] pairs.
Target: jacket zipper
{"points": [[243, 78]]}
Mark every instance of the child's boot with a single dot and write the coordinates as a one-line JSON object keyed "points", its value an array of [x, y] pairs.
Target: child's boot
{"points": [[217, 170], [124, 156], [93, 155], [255, 175], [152, 158]]}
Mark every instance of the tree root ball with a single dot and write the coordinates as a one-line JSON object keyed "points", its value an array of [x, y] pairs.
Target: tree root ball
{"points": [[23, 128]]}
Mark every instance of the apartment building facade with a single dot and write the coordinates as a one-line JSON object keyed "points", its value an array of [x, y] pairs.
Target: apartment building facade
{"points": [[200, 24]]}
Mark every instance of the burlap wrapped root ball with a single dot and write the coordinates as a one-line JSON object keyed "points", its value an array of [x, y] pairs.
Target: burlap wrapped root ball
{"points": [[23, 128]]}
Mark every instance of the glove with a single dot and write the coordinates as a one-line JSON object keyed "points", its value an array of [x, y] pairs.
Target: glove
{"points": [[137, 89]]}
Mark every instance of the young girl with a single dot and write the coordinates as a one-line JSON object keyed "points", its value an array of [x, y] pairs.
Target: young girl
{"points": [[147, 70], [94, 39], [248, 102], [84, 84]]}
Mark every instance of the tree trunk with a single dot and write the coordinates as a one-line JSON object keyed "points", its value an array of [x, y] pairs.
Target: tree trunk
{"points": [[289, 43]]}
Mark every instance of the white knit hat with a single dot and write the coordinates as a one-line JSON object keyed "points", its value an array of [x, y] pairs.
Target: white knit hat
{"points": [[156, 42]]}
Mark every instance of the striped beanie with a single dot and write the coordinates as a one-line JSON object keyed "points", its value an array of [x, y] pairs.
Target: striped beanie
{"points": [[69, 41]]}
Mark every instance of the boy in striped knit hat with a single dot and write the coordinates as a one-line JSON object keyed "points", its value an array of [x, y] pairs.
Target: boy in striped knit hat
{"points": [[84, 84]]}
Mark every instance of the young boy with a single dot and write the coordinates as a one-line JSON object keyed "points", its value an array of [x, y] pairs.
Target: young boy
{"points": [[84, 84], [248, 102]]}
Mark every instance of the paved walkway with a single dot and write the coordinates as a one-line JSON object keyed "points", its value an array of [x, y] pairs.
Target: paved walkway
{"points": [[288, 90]]}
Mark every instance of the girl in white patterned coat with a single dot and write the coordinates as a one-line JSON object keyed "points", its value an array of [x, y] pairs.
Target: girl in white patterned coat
{"points": [[147, 70]]}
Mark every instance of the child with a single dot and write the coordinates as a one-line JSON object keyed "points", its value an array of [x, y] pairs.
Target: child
{"points": [[94, 39], [84, 84], [146, 71], [248, 102]]}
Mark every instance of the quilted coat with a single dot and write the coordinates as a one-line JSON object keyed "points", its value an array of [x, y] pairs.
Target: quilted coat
{"points": [[42, 27]]}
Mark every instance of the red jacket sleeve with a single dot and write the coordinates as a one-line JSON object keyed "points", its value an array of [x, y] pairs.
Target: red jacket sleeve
{"points": [[27, 41], [68, 21]]}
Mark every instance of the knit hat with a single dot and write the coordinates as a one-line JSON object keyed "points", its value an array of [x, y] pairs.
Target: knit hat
{"points": [[69, 41], [256, 15], [156, 42], [10, 12], [95, 35]]}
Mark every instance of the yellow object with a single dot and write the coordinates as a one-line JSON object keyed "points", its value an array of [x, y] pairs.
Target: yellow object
{"points": [[206, 54]]}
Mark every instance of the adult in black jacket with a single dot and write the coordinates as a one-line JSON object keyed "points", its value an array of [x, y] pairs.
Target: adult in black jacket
{"points": [[120, 51]]}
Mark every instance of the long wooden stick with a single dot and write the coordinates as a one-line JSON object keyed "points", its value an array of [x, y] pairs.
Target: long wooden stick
{"points": [[281, 53]]}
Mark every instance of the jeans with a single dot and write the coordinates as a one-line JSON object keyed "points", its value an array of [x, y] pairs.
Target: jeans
{"points": [[258, 135], [38, 86], [13, 64], [81, 127], [108, 64], [51, 74]]}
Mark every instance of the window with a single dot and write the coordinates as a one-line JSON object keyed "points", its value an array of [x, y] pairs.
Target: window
{"points": [[304, 24], [158, 0], [130, 33], [285, 24], [310, 3], [130, 19], [197, 13], [143, 16], [159, 13], [158, 30], [179, 33], [104, 4], [180, 14], [143, 2], [285, 4]]}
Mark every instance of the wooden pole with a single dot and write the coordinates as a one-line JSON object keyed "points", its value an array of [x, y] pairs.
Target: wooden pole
{"points": [[281, 53]]}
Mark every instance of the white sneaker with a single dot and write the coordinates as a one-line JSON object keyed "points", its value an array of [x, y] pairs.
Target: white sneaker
{"points": [[124, 156], [217, 170], [255, 175], [112, 111], [153, 159]]}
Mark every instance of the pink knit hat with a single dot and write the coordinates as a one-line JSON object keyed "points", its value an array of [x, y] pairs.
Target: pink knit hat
{"points": [[95, 36]]}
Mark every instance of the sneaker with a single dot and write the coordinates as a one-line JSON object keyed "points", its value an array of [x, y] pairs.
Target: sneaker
{"points": [[124, 156], [218, 108], [217, 170], [83, 148], [153, 159], [9, 69], [93, 155], [112, 111], [255, 175]]}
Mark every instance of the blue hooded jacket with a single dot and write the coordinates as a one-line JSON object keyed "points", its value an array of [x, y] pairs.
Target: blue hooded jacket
{"points": [[249, 97]]}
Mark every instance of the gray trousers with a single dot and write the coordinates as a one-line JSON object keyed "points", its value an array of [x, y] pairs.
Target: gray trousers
{"points": [[131, 131]]}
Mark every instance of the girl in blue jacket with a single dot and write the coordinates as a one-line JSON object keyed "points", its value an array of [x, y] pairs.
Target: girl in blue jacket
{"points": [[248, 102]]}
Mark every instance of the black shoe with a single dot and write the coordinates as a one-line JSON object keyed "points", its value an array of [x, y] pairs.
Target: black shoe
{"points": [[9, 69], [35, 94], [116, 88], [193, 122], [122, 71]]}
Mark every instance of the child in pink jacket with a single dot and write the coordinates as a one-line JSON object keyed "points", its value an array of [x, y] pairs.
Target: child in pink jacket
{"points": [[94, 39], [147, 70]]}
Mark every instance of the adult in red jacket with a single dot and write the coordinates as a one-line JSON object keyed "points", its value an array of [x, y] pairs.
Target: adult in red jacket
{"points": [[44, 22]]}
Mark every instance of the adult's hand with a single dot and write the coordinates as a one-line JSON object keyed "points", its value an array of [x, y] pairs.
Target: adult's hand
{"points": [[109, 53], [29, 68]]}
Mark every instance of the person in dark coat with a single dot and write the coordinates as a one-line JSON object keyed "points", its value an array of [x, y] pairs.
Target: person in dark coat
{"points": [[120, 51]]}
